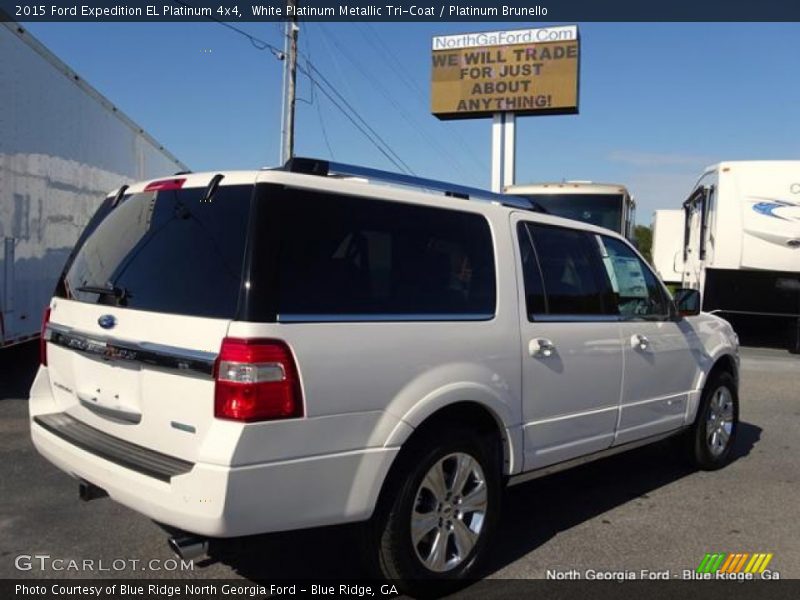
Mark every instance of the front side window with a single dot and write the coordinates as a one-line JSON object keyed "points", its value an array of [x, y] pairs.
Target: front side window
{"points": [[571, 273], [639, 294], [350, 258]]}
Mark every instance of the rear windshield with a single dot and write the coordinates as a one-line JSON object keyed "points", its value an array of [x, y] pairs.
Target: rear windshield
{"points": [[166, 251], [330, 257], [603, 210]]}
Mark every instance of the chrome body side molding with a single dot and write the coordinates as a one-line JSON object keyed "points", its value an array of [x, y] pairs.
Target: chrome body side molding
{"points": [[581, 460]]}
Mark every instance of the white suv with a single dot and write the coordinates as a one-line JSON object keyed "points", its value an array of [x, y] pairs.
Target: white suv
{"points": [[246, 352]]}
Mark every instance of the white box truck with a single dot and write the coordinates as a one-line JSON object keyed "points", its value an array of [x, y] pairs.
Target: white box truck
{"points": [[62, 147], [667, 248], [741, 245]]}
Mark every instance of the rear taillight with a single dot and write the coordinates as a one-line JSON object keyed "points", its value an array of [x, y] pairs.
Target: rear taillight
{"points": [[256, 380], [164, 185], [43, 337]]}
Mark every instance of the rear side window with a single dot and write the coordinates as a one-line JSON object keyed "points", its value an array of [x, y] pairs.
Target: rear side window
{"points": [[349, 258], [573, 281], [165, 251]]}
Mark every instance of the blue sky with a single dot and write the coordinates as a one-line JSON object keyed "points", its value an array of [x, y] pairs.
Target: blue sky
{"points": [[658, 101]]}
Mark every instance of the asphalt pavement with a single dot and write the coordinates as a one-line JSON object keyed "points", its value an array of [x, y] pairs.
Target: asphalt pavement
{"points": [[640, 510]]}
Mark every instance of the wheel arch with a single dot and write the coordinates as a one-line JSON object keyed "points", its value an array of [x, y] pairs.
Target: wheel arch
{"points": [[476, 408], [469, 414], [725, 362], [462, 413]]}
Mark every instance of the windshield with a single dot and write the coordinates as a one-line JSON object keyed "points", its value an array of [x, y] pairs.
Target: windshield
{"points": [[167, 251], [603, 210]]}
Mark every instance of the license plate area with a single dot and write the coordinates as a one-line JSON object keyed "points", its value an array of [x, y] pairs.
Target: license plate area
{"points": [[106, 386]]}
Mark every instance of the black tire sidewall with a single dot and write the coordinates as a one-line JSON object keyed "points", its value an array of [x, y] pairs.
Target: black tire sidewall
{"points": [[702, 455], [417, 464]]}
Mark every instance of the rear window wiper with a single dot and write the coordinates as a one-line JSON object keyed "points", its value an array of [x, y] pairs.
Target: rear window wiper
{"points": [[114, 292]]}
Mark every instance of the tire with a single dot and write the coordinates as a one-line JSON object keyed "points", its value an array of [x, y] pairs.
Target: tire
{"points": [[423, 536], [709, 443]]}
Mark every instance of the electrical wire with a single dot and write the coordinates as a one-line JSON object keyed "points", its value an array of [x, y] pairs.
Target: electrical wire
{"points": [[324, 133], [257, 43], [331, 53], [381, 145], [320, 76], [317, 105], [413, 123], [392, 101], [402, 73], [399, 164]]}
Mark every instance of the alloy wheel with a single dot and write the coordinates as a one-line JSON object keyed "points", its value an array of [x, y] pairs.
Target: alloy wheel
{"points": [[449, 512], [719, 424]]}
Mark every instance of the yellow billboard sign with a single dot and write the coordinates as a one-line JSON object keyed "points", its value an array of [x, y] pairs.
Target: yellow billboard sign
{"points": [[527, 72]]}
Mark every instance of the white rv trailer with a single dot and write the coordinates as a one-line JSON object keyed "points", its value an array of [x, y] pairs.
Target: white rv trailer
{"points": [[607, 205], [667, 249], [62, 147], [742, 241]]}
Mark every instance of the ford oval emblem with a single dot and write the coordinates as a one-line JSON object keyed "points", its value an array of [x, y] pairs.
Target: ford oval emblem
{"points": [[107, 321]]}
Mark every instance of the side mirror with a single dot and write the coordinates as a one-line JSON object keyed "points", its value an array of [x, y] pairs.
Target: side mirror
{"points": [[688, 302]]}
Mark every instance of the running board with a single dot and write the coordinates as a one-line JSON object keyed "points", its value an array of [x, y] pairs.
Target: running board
{"points": [[582, 460]]}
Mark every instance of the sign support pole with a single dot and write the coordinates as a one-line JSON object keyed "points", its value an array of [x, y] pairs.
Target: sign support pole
{"points": [[497, 151], [509, 150], [504, 142]]}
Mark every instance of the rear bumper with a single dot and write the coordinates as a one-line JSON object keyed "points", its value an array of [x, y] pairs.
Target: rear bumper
{"points": [[120, 452], [219, 501]]}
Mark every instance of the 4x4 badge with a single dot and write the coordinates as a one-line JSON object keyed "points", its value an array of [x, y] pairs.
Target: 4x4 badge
{"points": [[107, 321]]}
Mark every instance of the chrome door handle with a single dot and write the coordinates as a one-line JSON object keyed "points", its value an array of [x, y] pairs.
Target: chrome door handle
{"points": [[541, 347], [640, 341]]}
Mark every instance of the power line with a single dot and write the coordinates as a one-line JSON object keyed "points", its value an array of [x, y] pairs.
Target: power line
{"points": [[324, 132], [415, 125], [332, 54], [423, 132], [344, 101], [379, 44], [402, 73], [397, 163], [257, 43], [405, 166], [375, 138], [318, 107]]}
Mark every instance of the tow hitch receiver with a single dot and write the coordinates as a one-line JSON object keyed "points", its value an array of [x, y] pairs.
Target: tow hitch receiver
{"points": [[88, 491]]}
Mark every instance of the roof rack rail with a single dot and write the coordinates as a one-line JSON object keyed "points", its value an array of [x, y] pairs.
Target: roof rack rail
{"points": [[325, 168]]}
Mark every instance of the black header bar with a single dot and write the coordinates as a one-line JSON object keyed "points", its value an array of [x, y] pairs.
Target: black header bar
{"points": [[485, 11]]}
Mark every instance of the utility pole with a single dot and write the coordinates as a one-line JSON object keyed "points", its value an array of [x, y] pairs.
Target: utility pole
{"points": [[290, 83]]}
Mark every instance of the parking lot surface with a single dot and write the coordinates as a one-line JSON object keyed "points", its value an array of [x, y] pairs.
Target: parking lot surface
{"points": [[640, 510]]}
